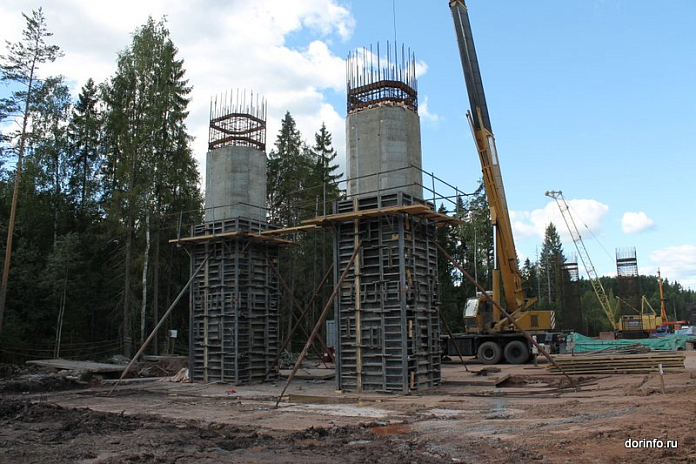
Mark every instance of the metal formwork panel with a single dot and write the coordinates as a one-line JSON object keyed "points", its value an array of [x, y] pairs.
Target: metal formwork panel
{"points": [[234, 306], [386, 313]]}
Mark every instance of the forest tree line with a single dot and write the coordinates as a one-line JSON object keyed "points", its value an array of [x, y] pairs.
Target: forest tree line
{"points": [[93, 188]]}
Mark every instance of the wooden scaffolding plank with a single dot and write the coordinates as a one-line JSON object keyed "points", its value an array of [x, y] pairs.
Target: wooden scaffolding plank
{"points": [[231, 235], [290, 230], [414, 210]]}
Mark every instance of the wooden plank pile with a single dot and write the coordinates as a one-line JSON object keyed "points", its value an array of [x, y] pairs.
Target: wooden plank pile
{"points": [[671, 361], [73, 365]]}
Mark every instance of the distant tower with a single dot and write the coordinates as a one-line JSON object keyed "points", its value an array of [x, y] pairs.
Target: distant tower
{"points": [[235, 169], [383, 126], [627, 282]]}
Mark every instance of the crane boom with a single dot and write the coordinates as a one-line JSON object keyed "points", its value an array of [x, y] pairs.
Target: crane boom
{"points": [[492, 176], [663, 306], [584, 256]]}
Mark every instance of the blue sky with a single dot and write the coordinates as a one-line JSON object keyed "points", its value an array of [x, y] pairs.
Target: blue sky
{"points": [[592, 97]]}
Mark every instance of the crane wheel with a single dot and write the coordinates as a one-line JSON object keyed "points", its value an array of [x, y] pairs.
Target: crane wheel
{"points": [[516, 352], [489, 353]]}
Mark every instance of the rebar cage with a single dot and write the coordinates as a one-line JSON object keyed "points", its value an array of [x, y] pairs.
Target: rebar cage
{"points": [[238, 119], [373, 79]]}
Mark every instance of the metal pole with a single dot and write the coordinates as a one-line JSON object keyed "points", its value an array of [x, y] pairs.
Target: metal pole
{"points": [[321, 320], [159, 324], [506, 314]]}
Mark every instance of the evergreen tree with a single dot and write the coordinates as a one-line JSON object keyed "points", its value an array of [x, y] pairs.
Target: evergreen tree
{"points": [[47, 165], [326, 171], [292, 188], [149, 167], [476, 238], [20, 66], [470, 244], [85, 136], [530, 279], [551, 261]]}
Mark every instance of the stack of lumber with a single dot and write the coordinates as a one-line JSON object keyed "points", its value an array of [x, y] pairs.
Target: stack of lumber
{"points": [[619, 364], [635, 348]]}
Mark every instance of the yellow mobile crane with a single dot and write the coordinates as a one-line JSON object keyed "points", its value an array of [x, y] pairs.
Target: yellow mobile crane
{"points": [[490, 334]]}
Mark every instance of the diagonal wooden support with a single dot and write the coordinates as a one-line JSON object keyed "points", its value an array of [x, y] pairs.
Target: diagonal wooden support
{"points": [[159, 324], [449, 332], [321, 320], [302, 315], [506, 314]]}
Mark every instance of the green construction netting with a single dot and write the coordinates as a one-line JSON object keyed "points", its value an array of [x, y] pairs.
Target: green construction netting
{"points": [[581, 343]]}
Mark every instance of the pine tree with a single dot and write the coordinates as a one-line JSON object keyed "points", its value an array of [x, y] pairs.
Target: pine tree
{"points": [[20, 66], [530, 279], [551, 261], [477, 237], [326, 172], [49, 157], [289, 175], [149, 167], [84, 132]]}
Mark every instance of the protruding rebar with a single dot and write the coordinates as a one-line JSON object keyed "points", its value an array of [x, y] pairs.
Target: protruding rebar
{"points": [[238, 120], [373, 79]]}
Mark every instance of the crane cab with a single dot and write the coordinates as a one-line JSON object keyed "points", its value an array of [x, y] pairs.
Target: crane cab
{"points": [[478, 313]]}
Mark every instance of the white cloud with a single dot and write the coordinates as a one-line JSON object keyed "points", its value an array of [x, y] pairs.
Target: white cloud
{"points": [[677, 263], [634, 223], [225, 45], [424, 110], [588, 216]]}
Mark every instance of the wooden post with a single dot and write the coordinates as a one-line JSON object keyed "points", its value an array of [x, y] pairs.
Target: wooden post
{"points": [[662, 378]]}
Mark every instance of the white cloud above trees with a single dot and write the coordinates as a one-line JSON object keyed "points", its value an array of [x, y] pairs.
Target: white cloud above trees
{"points": [[587, 213], [635, 223], [677, 263], [225, 45]]}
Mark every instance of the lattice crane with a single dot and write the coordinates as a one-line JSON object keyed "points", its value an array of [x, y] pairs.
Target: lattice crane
{"points": [[584, 256]]}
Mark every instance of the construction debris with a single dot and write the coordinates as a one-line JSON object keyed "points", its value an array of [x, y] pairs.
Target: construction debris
{"points": [[478, 381], [619, 364]]}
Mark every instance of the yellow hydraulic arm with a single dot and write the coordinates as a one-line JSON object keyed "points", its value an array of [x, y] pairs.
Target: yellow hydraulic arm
{"points": [[492, 177]]}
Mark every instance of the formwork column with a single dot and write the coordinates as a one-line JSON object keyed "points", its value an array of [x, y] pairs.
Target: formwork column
{"points": [[358, 298], [396, 338]]}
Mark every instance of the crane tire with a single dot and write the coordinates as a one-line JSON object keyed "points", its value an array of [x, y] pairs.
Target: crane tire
{"points": [[489, 352], [516, 352]]}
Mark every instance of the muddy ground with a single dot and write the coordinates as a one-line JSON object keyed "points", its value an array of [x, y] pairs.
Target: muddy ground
{"points": [[527, 419]]}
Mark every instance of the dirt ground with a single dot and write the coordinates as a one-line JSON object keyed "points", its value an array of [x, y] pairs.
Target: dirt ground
{"points": [[528, 418]]}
